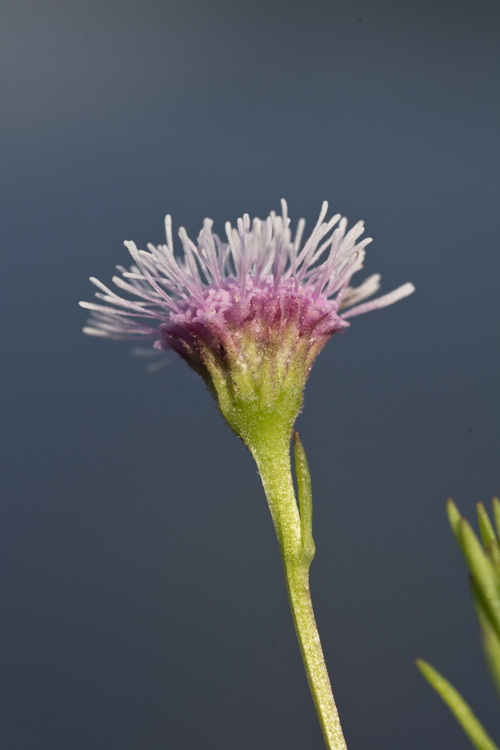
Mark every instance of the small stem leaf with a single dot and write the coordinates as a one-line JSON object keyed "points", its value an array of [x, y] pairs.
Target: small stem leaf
{"points": [[305, 498], [465, 717], [482, 572], [487, 530], [454, 516], [496, 514]]}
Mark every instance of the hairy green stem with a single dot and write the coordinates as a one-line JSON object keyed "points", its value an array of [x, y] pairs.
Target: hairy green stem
{"points": [[297, 550]]}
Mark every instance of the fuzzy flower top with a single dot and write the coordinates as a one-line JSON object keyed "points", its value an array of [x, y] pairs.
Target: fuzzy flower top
{"points": [[249, 312], [219, 283]]}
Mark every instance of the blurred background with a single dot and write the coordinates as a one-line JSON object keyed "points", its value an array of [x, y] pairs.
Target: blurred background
{"points": [[143, 599]]}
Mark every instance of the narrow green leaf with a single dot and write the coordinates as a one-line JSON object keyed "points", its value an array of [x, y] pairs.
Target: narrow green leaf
{"points": [[462, 712], [489, 638], [482, 571], [490, 541], [491, 648], [305, 497], [493, 553], [482, 613], [496, 514], [453, 516], [487, 530]]}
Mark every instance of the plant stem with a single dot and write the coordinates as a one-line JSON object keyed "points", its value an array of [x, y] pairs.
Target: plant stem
{"points": [[273, 460]]}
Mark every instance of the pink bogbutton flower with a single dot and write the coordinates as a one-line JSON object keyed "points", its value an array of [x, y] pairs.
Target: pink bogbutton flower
{"points": [[249, 312]]}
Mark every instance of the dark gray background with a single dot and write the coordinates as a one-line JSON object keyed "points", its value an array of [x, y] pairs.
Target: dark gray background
{"points": [[143, 600]]}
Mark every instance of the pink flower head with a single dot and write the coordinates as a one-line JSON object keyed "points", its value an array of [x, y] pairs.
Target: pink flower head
{"points": [[251, 313]]}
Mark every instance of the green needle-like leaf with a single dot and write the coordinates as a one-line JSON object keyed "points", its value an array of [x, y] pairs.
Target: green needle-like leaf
{"points": [[493, 553], [496, 514], [483, 573], [490, 640], [487, 530], [482, 614], [453, 516], [489, 538], [464, 715], [491, 648]]}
